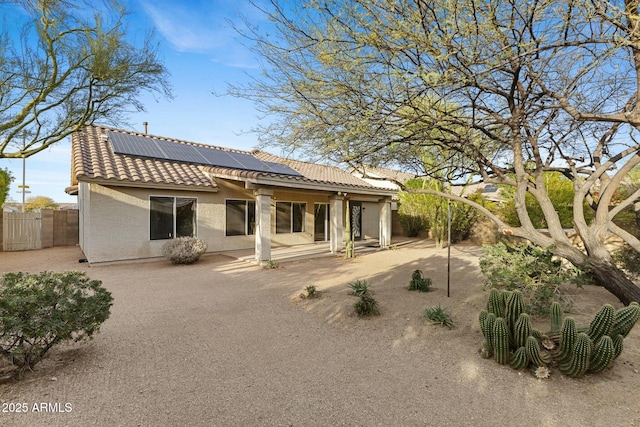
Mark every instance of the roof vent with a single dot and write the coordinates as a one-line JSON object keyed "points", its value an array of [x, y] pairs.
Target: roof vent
{"points": [[104, 137]]}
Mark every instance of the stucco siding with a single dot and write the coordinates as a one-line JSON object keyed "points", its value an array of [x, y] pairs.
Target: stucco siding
{"points": [[370, 220]]}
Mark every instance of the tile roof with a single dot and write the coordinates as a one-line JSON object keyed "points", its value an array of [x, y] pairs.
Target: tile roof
{"points": [[93, 158], [313, 172], [390, 174]]}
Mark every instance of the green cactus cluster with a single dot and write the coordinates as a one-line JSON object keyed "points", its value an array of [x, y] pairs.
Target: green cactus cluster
{"points": [[510, 338]]}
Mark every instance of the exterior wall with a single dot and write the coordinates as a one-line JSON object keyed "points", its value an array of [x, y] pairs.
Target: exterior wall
{"points": [[114, 221], [370, 220], [291, 239]]}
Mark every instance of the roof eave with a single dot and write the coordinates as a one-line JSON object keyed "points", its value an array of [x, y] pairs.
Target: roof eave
{"points": [[318, 186], [143, 184]]}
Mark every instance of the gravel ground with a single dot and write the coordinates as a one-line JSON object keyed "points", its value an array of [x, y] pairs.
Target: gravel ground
{"points": [[226, 343]]}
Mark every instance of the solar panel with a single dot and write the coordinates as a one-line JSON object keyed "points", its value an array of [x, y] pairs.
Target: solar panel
{"points": [[179, 152], [134, 145], [143, 146], [281, 169], [215, 157]]}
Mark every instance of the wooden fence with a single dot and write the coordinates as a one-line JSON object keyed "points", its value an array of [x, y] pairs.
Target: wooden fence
{"points": [[37, 230]]}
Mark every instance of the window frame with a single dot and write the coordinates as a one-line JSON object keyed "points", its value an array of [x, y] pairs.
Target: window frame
{"points": [[302, 207], [248, 229], [174, 211]]}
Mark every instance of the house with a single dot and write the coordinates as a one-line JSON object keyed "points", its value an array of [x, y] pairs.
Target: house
{"points": [[136, 190], [389, 179]]}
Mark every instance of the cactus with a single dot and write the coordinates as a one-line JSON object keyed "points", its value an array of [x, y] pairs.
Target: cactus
{"points": [[520, 360], [534, 353], [567, 340], [579, 362], [505, 326], [602, 323], [625, 318], [513, 308], [483, 322], [487, 349], [618, 345], [522, 330], [556, 317], [602, 355], [495, 303], [500, 341]]}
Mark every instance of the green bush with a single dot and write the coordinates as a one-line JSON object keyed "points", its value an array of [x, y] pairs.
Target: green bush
{"points": [[184, 250], [628, 258], [311, 292], [359, 288], [528, 268], [38, 311], [438, 316], [419, 283], [366, 306], [413, 224]]}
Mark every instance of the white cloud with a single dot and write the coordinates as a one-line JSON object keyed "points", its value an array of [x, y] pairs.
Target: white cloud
{"points": [[191, 26], [203, 27]]}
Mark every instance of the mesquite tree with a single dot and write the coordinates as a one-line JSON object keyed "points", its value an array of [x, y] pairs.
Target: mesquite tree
{"points": [[68, 65], [516, 89]]}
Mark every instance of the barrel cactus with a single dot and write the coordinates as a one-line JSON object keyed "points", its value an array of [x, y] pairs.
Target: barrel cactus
{"points": [[510, 338]]}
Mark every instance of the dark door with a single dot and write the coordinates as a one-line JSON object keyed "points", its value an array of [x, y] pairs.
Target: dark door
{"points": [[321, 222], [356, 220]]}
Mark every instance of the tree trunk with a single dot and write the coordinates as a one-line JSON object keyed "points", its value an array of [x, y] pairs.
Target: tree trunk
{"points": [[614, 280]]}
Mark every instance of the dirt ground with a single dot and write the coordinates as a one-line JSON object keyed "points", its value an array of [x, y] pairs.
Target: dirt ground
{"points": [[227, 343]]}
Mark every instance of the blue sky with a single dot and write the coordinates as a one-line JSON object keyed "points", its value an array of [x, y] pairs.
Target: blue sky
{"points": [[203, 54]]}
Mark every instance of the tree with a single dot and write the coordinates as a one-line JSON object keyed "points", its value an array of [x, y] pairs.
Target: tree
{"points": [[561, 194], [64, 70], [5, 181], [37, 203], [518, 89]]}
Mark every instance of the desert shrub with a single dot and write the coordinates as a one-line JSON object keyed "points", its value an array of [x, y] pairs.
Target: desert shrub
{"points": [[271, 264], [359, 288], [628, 258], [184, 250], [311, 291], [438, 316], [413, 224], [366, 306], [419, 283], [38, 311], [528, 268]]}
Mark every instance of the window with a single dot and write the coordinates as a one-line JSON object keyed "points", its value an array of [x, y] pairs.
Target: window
{"points": [[172, 217], [290, 217], [241, 217]]}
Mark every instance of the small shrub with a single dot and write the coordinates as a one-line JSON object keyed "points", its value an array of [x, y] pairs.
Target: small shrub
{"points": [[628, 258], [419, 283], [438, 316], [271, 264], [38, 311], [530, 269], [311, 292], [359, 288], [366, 306], [184, 250]]}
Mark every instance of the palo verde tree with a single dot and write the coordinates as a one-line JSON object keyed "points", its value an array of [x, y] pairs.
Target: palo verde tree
{"points": [[518, 89], [68, 66]]}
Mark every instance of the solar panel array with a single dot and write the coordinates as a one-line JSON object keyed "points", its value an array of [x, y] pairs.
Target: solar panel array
{"points": [[142, 146]]}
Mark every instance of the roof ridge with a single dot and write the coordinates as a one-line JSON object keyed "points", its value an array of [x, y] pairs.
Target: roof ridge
{"points": [[170, 139], [297, 160]]}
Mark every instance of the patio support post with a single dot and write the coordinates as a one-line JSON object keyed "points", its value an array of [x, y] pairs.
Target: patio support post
{"points": [[385, 222], [263, 225], [335, 228]]}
